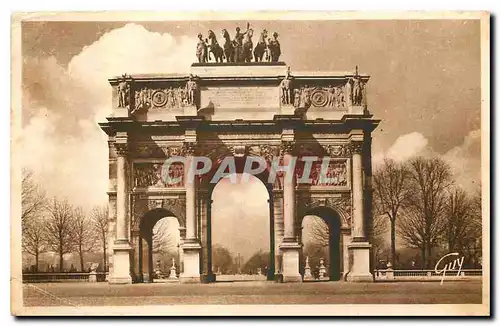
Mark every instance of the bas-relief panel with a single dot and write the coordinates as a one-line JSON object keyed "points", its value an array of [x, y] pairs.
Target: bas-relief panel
{"points": [[155, 175]]}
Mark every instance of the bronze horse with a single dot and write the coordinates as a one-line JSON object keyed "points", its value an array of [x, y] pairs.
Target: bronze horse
{"points": [[214, 47], [261, 48], [228, 46]]}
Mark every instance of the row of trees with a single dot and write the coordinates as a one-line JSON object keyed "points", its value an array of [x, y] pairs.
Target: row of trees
{"points": [[54, 225], [425, 209], [225, 262]]}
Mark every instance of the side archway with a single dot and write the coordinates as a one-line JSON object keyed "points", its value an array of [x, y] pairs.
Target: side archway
{"points": [[147, 244], [330, 237]]}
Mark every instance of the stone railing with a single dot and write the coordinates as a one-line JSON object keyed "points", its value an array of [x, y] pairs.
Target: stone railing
{"points": [[390, 274], [64, 277]]}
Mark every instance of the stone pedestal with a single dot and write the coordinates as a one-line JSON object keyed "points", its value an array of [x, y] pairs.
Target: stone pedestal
{"points": [[191, 273], [360, 271], [190, 110], [121, 267], [173, 272], [322, 270], [307, 271], [287, 109], [92, 277], [291, 252]]}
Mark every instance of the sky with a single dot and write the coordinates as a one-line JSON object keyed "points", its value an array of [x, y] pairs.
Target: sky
{"points": [[424, 86]]}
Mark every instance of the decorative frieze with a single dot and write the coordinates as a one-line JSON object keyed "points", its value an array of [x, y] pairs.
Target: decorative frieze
{"points": [[340, 204], [165, 98], [153, 175], [336, 173], [142, 204]]}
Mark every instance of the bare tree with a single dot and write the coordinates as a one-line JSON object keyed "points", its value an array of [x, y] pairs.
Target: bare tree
{"points": [[390, 189], [60, 229], [379, 229], [320, 232], [423, 221], [32, 197], [100, 223], [84, 232], [163, 241], [463, 223], [34, 238]]}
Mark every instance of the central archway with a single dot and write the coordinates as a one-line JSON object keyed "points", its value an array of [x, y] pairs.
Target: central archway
{"points": [[259, 180]]}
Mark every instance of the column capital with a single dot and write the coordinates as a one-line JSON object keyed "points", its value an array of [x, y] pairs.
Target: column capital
{"points": [[121, 149], [287, 147], [121, 143], [356, 147], [189, 148]]}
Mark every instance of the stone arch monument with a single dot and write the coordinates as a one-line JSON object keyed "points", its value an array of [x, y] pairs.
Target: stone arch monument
{"points": [[240, 110]]}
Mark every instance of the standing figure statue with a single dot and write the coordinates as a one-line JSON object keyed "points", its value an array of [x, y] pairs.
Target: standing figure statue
{"points": [[201, 49], [214, 47], [356, 90], [261, 47], [192, 91], [274, 48], [286, 88], [238, 44], [248, 46], [228, 46], [348, 92], [123, 92], [296, 97]]}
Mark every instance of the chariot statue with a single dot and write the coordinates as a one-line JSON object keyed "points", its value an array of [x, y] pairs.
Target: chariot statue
{"points": [[261, 49], [214, 47], [229, 47]]}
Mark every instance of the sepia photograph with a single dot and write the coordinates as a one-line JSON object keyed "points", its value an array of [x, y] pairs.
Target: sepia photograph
{"points": [[270, 163]]}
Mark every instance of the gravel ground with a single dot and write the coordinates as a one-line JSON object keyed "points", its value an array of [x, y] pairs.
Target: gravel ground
{"points": [[103, 294]]}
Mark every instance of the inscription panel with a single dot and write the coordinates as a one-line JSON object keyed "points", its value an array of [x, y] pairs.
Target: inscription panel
{"points": [[244, 97]]}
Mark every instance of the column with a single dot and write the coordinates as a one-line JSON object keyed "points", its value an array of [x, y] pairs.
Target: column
{"points": [[278, 231], [345, 233], [290, 246], [191, 246], [359, 246], [271, 268], [121, 246], [182, 233]]}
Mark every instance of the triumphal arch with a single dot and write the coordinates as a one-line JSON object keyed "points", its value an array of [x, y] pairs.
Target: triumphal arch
{"points": [[237, 110]]}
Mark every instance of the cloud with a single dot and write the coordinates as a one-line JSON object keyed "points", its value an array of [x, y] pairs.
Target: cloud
{"points": [[407, 146], [61, 141], [465, 159]]}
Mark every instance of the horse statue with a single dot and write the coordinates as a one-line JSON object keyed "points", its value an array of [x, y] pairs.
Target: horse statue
{"points": [[248, 46], [261, 48], [228, 46], [214, 47]]}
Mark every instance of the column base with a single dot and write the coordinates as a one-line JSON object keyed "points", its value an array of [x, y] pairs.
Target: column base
{"points": [[191, 254], [360, 271], [121, 263], [290, 251], [189, 279]]}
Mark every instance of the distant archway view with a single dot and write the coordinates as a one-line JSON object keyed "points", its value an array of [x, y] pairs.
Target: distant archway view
{"points": [[240, 232]]}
